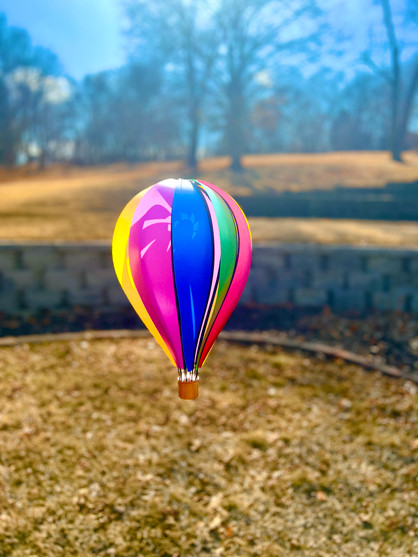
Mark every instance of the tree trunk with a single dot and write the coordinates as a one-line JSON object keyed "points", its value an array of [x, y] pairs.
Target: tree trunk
{"points": [[236, 164], [406, 113], [395, 146], [8, 141], [235, 132], [42, 160], [193, 138]]}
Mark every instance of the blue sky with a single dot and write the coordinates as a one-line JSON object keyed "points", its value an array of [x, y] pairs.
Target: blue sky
{"points": [[86, 34]]}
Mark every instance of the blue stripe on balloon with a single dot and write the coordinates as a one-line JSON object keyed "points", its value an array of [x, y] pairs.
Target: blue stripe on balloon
{"points": [[211, 301], [192, 248]]}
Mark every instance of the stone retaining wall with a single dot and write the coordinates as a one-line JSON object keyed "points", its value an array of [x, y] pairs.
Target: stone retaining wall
{"points": [[55, 276], [344, 278]]}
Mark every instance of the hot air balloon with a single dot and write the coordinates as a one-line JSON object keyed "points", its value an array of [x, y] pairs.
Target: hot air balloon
{"points": [[182, 253]]}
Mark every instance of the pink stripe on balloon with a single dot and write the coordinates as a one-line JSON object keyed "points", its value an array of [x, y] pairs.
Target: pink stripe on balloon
{"points": [[151, 264], [241, 271], [215, 267]]}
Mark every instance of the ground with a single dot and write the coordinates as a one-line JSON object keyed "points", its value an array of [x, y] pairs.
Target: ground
{"points": [[84, 203], [280, 455]]}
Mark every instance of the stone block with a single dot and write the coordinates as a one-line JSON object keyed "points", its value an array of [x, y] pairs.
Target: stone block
{"points": [[405, 290], [9, 302], [106, 260], [310, 297], [8, 259], [414, 264], [347, 300], [101, 278], [406, 280], [116, 297], [270, 295], [247, 295], [6, 283], [40, 257], [83, 257], [91, 297], [24, 278], [268, 256], [346, 260], [304, 261], [35, 299], [264, 273], [388, 301], [328, 279], [62, 279], [291, 278], [386, 264], [258, 277], [414, 304], [364, 280]]}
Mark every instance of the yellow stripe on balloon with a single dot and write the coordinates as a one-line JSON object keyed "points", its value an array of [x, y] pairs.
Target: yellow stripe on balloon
{"points": [[123, 271], [121, 234]]}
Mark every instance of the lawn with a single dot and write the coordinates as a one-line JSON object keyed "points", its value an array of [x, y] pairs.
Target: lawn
{"points": [[83, 203], [280, 455]]}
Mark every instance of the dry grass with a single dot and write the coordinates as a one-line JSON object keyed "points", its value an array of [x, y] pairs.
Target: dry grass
{"points": [[324, 231], [83, 203], [280, 455], [302, 172]]}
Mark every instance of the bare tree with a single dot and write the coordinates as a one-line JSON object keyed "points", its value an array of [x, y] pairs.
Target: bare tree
{"points": [[181, 35], [254, 34], [412, 87], [360, 121], [395, 79], [124, 115], [403, 79], [15, 51], [28, 83]]}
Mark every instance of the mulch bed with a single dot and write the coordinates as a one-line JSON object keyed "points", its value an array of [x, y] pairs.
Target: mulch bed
{"points": [[385, 338]]}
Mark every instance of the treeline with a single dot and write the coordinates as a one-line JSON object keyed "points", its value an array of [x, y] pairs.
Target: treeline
{"points": [[204, 79]]}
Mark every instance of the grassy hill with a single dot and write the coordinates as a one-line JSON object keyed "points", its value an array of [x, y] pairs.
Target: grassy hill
{"points": [[73, 203]]}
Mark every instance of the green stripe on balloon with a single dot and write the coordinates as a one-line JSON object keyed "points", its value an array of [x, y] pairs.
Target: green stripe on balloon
{"points": [[229, 247]]}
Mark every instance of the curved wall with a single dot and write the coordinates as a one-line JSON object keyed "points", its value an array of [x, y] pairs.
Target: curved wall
{"points": [[35, 276]]}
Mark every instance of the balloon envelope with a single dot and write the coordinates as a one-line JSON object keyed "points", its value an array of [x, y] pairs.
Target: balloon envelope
{"points": [[182, 254]]}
